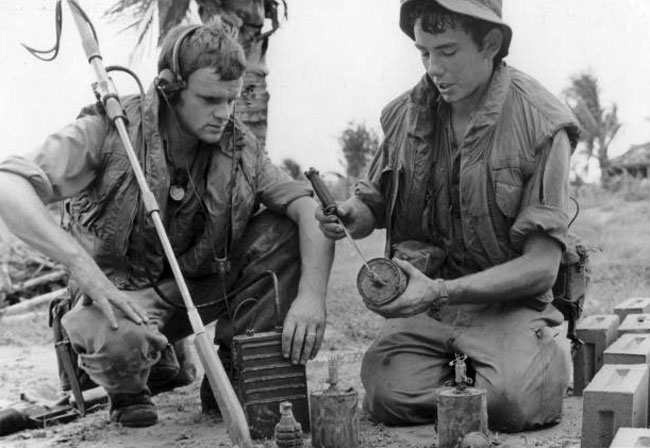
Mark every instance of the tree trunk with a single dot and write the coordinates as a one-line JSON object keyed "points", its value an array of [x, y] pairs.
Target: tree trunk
{"points": [[604, 163], [252, 107]]}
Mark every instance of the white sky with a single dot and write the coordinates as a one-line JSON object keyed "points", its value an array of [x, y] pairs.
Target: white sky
{"points": [[333, 61]]}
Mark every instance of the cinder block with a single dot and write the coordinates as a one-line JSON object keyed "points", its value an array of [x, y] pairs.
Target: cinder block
{"points": [[597, 332], [630, 348], [631, 438], [616, 397], [635, 323], [634, 305]]}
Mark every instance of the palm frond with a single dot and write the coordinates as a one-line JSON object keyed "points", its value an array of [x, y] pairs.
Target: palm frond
{"points": [[172, 15], [134, 8]]}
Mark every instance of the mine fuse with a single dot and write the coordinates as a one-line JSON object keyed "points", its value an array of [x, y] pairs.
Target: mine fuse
{"points": [[334, 418], [380, 280]]}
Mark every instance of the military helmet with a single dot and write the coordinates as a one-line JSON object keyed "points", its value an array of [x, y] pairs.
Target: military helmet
{"points": [[487, 10]]}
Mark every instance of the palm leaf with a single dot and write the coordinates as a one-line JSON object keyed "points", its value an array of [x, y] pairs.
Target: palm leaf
{"points": [[173, 15]]}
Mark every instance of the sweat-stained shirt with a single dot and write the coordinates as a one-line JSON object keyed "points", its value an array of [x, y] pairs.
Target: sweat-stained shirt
{"points": [[87, 163], [475, 201]]}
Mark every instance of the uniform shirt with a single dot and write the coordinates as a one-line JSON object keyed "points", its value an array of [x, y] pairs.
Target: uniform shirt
{"points": [[422, 188], [74, 162]]}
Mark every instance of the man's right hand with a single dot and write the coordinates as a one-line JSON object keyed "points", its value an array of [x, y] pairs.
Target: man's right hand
{"points": [[353, 213], [27, 217], [101, 292]]}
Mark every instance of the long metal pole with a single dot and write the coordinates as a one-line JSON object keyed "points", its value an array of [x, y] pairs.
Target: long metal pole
{"points": [[232, 411]]}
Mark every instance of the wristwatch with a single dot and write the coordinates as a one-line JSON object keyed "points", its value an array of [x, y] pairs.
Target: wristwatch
{"points": [[440, 301]]}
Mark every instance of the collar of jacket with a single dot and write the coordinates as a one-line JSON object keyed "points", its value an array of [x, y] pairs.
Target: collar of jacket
{"points": [[426, 103]]}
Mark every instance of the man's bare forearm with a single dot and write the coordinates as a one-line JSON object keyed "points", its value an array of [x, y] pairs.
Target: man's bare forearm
{"points": [[528, 275], [317, 252], [27, 217]]}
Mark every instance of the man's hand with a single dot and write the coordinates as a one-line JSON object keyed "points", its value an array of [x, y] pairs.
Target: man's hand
{"points": [[353, 213], [101, 292], [304, 328], [418, 297]]}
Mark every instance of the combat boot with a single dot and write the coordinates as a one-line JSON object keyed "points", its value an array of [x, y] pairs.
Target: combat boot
{"points": [[133, 410]]}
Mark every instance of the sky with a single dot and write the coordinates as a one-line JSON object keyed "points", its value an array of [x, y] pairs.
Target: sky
{"points": [[331, 62]]}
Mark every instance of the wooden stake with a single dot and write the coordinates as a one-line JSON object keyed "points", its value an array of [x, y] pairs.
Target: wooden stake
{"points": [[31, 304]]}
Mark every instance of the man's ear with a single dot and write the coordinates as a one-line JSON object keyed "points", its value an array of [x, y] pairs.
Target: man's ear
{"points": [[492, 43]]}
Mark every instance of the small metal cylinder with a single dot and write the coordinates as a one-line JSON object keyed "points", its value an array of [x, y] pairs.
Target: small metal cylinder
{"points": [[334, 418], [460, 412], [383, 285]]}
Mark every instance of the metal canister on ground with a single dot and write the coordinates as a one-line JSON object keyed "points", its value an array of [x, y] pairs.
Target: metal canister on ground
{"points": [[263, 378], [382, 284], [461, 409], [460, 412], [334, 418]]}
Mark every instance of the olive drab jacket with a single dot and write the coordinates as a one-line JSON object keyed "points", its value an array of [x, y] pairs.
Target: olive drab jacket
{"points": [[107, 217], [510, 179]]}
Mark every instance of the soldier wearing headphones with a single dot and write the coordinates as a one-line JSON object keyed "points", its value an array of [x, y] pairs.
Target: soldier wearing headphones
{"points": [[209, 176]]}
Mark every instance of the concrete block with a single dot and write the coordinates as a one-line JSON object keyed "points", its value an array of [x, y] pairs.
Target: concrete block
{"points": [[630, 348], [616, 397], [631, 438], [634, 305], [635, 323], [597, 332]]}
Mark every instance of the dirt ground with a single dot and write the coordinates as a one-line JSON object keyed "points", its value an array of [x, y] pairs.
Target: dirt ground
{"points": [[31, 367]]}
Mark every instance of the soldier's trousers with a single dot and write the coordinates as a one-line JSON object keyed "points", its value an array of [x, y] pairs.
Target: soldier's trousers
{"points": [[513, 352], [120, 360]]}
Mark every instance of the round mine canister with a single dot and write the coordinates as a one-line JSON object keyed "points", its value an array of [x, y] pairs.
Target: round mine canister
{"points": [[334, 418], [460, 412], [383, 284]]}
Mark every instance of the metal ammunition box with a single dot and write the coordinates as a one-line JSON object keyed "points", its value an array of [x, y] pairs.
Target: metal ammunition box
{"points": [[263, 379]]}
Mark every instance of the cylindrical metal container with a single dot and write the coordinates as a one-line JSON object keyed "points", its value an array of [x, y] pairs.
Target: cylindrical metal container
{"points": [[383, 285], [460, 412], [334, 418]]}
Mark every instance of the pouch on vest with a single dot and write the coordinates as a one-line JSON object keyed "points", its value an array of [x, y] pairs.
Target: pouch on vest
{"points": [[425, 257], [571, 284]]}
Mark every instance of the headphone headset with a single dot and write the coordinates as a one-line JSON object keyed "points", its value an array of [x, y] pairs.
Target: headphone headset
{"points": [[170, 81]]}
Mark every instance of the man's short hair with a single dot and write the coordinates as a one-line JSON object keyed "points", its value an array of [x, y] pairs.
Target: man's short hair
{"points": [[435, 20], [209, 45]]}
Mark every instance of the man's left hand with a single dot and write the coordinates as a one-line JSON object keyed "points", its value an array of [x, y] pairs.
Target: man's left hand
{"points": [[418, 297], [304, 328]]}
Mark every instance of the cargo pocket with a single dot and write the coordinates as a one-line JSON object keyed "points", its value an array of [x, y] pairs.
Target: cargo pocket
{"points": [[508, 185]]}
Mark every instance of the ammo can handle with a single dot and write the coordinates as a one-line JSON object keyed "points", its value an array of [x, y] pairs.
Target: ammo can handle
{"points": [[329, 205]]}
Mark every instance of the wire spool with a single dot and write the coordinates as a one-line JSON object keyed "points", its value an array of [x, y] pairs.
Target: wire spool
{"points": [[383, 285]]}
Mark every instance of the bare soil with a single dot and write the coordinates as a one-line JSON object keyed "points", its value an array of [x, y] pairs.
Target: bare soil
{"points": [[620, 269], [31, 368]]}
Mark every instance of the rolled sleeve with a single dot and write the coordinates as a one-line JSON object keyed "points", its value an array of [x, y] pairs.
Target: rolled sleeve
{"points": [[276, 188], [545, 201], [373, 190], [65, 163]]}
